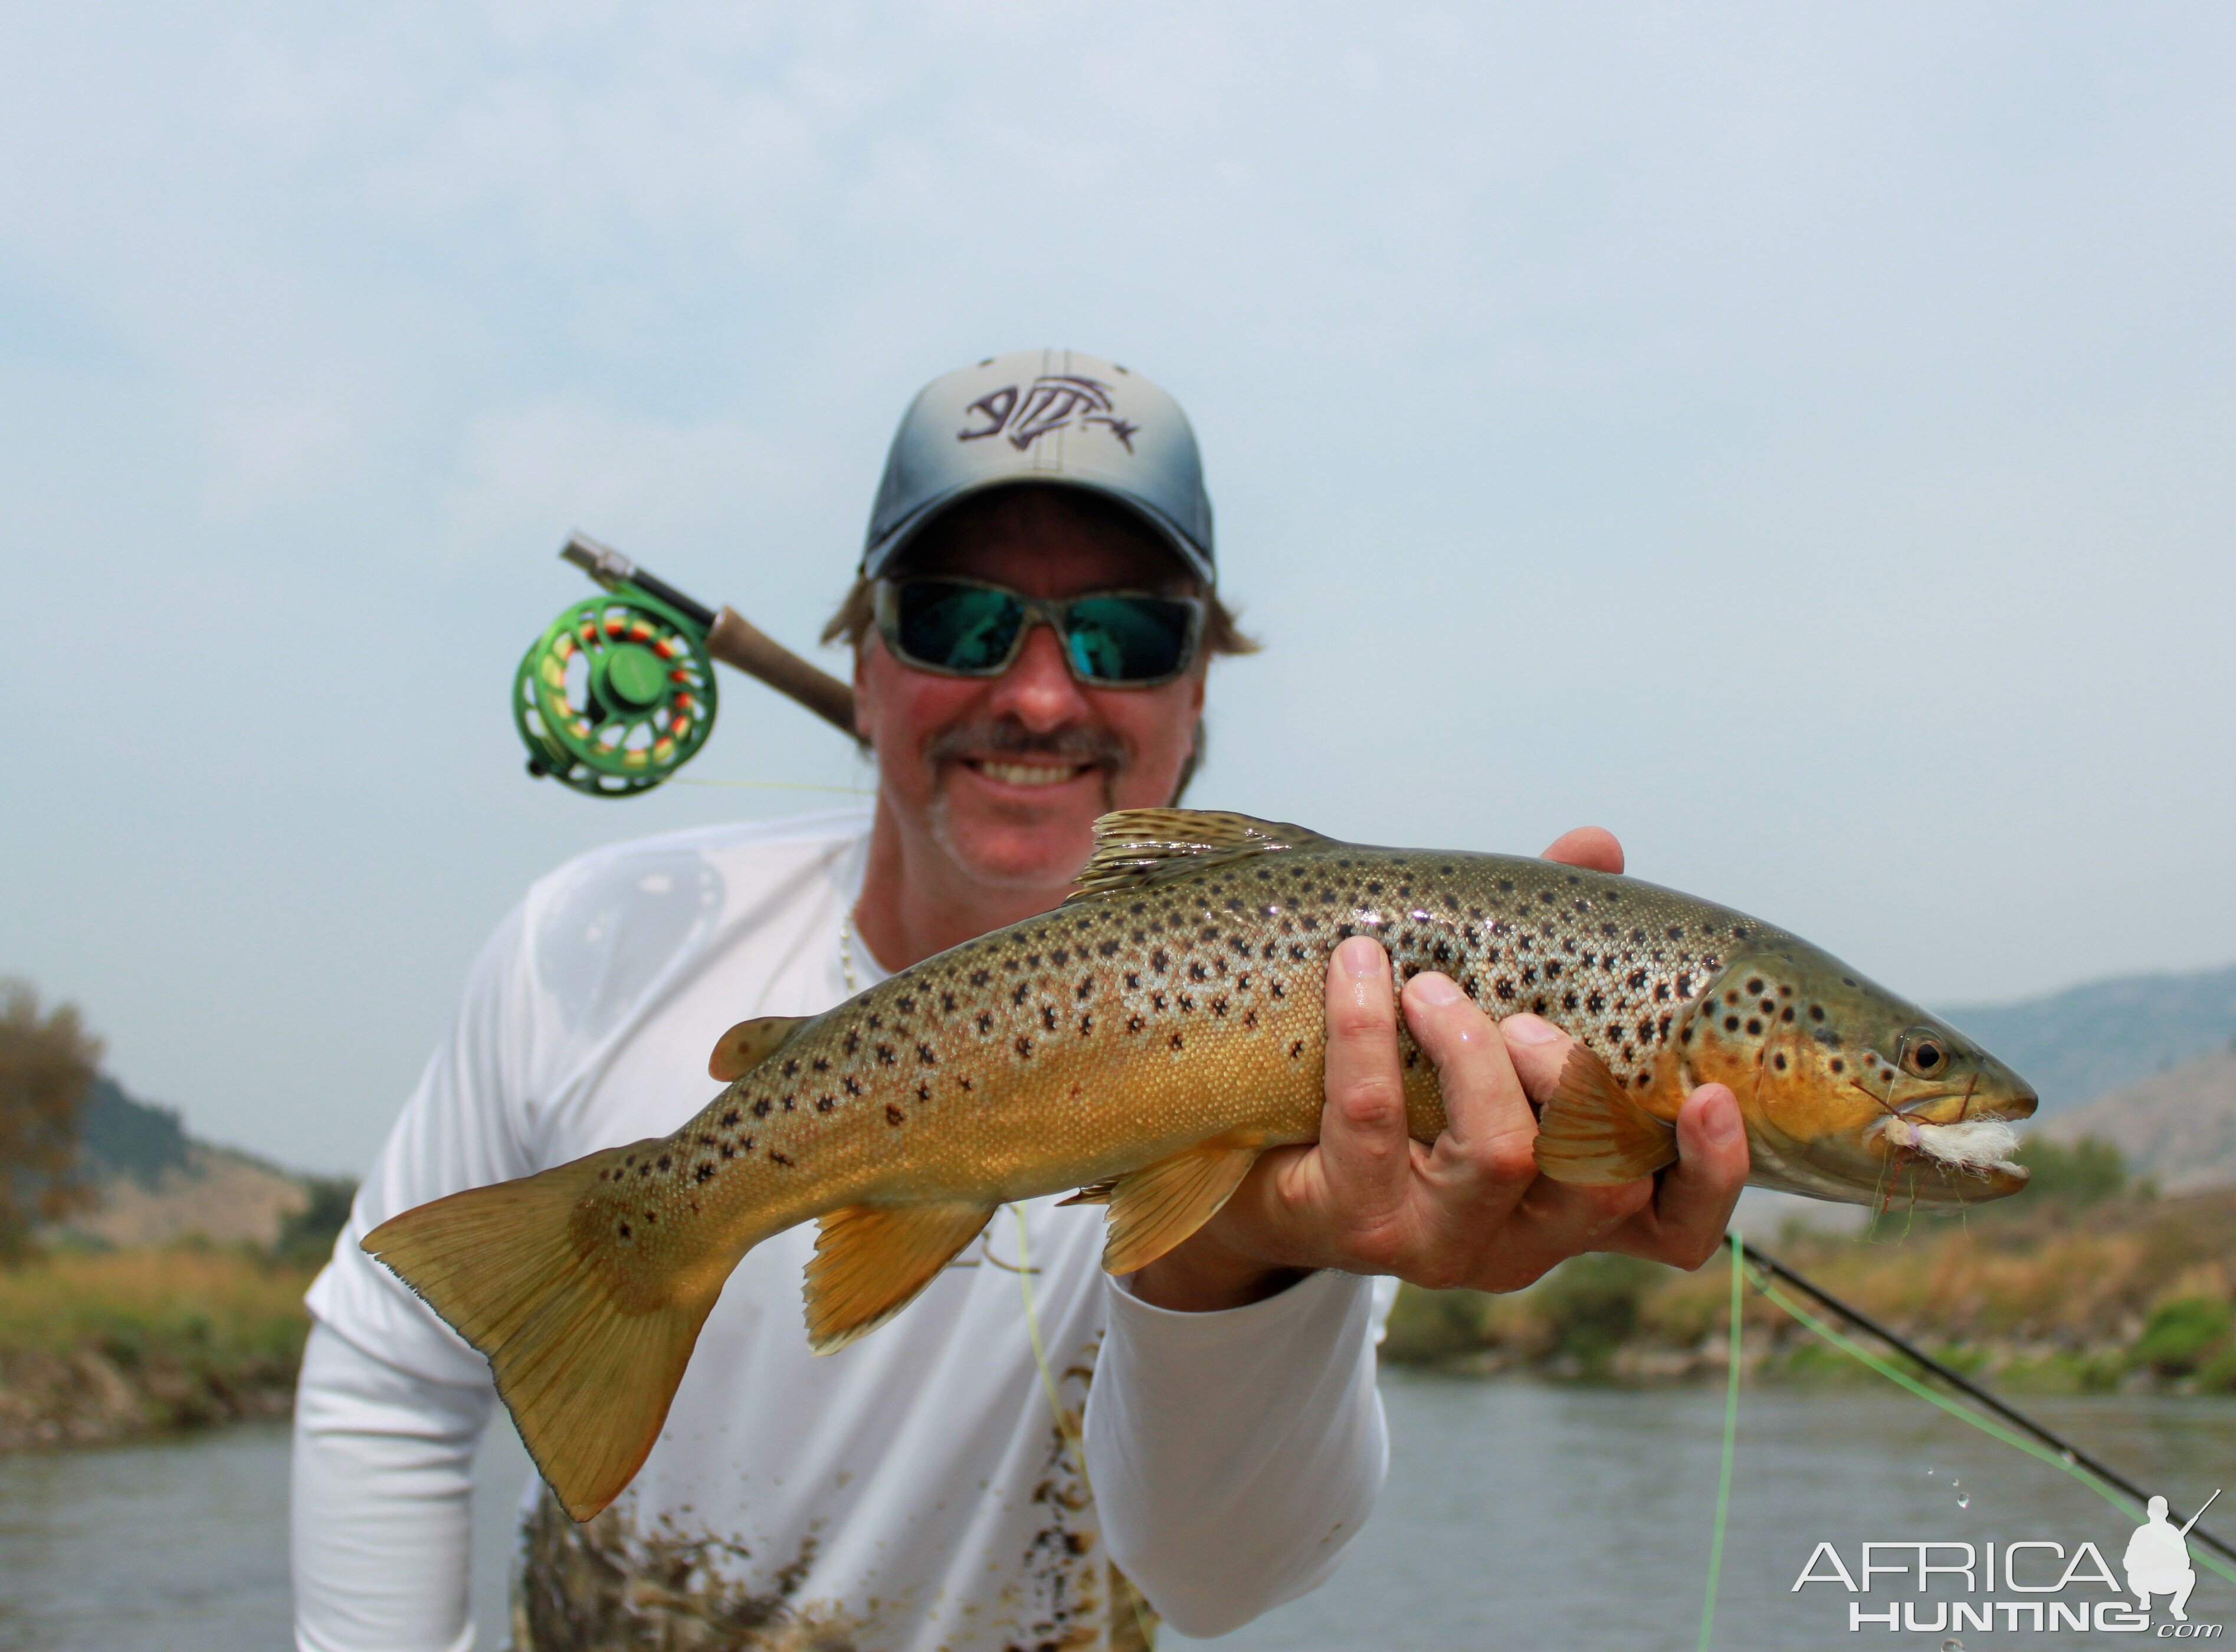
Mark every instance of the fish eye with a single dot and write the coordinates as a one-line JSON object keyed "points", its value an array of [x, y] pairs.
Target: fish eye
{"points": [[1925, 1056]]}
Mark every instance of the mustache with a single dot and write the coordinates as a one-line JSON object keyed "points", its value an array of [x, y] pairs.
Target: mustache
{"points": [[1006, 737]]}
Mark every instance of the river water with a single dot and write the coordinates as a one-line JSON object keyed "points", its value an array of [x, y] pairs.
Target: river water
{"points": [[1517, 1516]]}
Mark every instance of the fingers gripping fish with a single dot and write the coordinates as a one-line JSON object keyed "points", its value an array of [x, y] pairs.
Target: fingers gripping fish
{"points": [[1145, 1042]]}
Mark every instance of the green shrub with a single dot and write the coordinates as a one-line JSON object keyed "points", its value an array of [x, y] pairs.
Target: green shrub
{"points": [[1426, 1326], [2181, 1333], [1591, 1303]]}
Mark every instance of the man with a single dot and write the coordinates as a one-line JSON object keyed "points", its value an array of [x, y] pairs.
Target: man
{"points": [[1199, 1442], [2157, 1562]]}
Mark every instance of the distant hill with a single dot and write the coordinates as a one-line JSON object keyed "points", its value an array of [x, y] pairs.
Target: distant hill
{"points": [[157, 1185], [2075, 1045], [2179, 1127]]}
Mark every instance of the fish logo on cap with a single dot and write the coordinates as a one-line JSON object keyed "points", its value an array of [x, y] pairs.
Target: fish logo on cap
{"points": [[1052, 402]]}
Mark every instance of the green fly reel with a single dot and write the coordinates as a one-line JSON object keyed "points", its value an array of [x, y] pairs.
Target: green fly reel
{"points": [[617, 695]]}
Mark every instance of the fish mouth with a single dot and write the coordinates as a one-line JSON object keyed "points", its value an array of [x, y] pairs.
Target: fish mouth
{"points": [[1979, 1153]]}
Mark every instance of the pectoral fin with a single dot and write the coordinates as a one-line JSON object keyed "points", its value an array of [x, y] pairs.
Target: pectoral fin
{"points": [[749, 1043], [1155, 1208], [1593, 1134], [871, 1259]]}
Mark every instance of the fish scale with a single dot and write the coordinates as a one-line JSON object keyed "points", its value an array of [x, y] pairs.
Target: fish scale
{"points": [[1146, 1040]]}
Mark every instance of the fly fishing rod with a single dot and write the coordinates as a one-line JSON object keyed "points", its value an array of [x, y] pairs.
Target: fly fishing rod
{"points": [[619, 692], [1964, 1385]]}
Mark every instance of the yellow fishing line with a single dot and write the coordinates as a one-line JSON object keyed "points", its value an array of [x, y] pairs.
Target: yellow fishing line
{"points": [[774, 786]]}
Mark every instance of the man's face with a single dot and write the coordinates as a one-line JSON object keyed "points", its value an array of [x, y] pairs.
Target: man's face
{"points": [[1006, 774]]}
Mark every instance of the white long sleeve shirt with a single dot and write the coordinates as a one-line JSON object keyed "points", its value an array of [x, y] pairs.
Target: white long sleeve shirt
{"points": [[918, 1489]]}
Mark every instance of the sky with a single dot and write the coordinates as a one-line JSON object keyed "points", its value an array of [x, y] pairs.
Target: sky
{"points": [[1795, 437]]}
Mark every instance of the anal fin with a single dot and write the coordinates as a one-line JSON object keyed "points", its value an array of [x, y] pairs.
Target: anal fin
{"points": [[871, 1259], [1593, 1134], [749, 1043], [1155, 1208]]}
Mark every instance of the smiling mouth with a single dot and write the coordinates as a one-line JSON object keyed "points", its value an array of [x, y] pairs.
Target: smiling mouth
{"points": [[1012, 773]]}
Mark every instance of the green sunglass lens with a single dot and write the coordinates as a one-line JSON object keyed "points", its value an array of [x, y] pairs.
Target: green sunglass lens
{"points": [[1127, 639], [956, 628]]}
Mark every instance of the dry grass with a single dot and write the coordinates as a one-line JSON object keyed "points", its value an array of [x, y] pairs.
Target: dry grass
{"points": [[2130, 1289], [185, 1297]]}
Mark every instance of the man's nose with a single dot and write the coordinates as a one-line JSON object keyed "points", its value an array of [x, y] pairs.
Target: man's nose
{"points": [[1039, 690]]}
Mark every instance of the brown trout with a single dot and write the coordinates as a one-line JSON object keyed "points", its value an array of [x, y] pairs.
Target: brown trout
{"points": [[1145, 1042]]}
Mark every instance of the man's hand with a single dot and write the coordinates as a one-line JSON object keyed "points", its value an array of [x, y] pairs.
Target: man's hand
{"points": [[1471, 1209]]}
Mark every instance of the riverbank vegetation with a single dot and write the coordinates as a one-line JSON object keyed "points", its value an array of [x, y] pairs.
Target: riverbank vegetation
{"points": [[2085, 1283], [98, 1346]]}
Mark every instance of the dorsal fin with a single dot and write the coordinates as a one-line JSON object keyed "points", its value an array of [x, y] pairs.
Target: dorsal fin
{"points": [[1137, 847], [749, 1043]]}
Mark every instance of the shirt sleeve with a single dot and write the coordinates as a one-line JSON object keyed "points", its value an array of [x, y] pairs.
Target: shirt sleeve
{"points": [[381, 1516], [391, 1402], [1235, 1455]]}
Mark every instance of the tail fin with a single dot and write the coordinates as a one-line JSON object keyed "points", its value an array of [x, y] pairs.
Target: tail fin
{"points": [[587, 1365]]}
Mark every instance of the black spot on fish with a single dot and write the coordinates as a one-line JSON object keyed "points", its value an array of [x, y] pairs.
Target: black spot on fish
{"points": [[1160, 960], [947, 1002], [1048, 1018], [821, 1063], [1024, 1047], [854, 1041], [777, 1158], [1754, 1025], [894, 1116], [761, 1108], [1296, 1050], [927, 1055], [623, 1229], [1133, 1023], [1176, 1041], [730, 1118], [1731, 1024], [664, 1161], [705, 1172], [985, 1020], [792, 1068], [1838, 1066], [885, 1054], [979, 977], [1086, 1025], [1778, 1061], [1595, 1002], [1107, 949], [1786, 1014]]}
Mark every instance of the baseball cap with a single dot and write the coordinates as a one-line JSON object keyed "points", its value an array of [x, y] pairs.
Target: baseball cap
{"points": [[1051, 416]]}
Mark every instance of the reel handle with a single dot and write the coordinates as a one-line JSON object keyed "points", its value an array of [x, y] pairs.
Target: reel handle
{"points": [[736, 641], [731, 638]]}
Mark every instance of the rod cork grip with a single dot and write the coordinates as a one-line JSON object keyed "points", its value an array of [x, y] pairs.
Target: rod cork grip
{"points": [[736, 641]]}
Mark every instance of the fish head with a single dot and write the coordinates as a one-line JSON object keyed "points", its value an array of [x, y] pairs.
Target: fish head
{"points": [[1850, 1092]]}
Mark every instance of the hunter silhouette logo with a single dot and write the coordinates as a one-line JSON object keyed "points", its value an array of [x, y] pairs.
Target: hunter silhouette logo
{"points": [[1049, 403], [2157, 1561]]}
